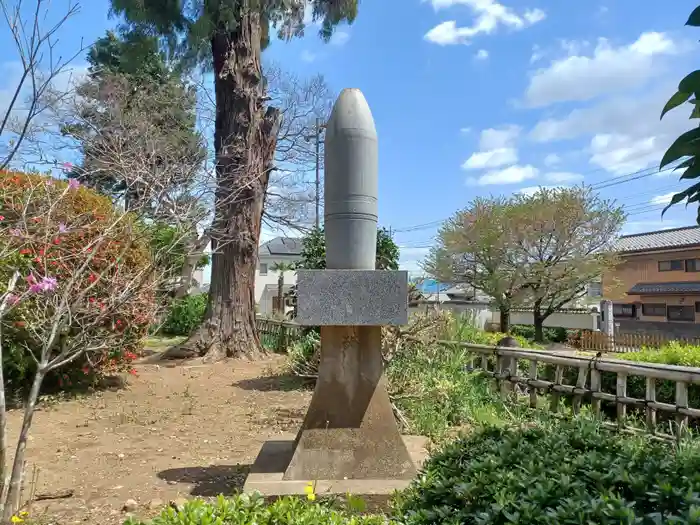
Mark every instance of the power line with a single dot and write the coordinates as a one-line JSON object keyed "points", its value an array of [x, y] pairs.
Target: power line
{"points": [[615, 181]]}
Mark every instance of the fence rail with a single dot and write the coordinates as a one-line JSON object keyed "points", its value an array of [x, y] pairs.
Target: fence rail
{"points": [[589, 377], [277, 335], [661, 393], [599, 341]]}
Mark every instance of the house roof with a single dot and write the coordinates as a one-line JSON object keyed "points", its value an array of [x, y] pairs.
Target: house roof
{"points": [[288, 246], [687, 236], [687, 287]]}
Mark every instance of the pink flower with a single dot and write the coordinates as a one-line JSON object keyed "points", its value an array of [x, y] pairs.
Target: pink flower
{"points": [[12, 299], [16, 232], [47, 284], [62, 228], [67, 166], [31, 279], [73, 184]]}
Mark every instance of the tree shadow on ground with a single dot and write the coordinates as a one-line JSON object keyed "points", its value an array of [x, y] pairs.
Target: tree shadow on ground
{"points": [[280, 382], [209, 481]]}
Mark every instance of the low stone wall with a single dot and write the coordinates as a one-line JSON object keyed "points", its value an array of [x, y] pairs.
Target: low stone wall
{"points": [[669, 330]]}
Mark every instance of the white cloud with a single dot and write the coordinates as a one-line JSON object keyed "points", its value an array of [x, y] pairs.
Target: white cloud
{"points": [[308, 56], [647, 226], [482, 54], [340, 38], [625, 132], [510, 175], [622, 154], [663, 199], [491, 159], [537, 54], [496, 148], [578, 77], [552, 160], [503, 137], [489, 16], [562, 176], [465, 130]]}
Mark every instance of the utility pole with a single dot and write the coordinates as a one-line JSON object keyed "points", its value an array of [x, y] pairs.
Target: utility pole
{"points": [[318, 173]]}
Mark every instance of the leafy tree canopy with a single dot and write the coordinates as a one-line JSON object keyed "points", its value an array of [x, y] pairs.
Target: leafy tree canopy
{"points": [[187, 26], [687, 146], [313, 253]]}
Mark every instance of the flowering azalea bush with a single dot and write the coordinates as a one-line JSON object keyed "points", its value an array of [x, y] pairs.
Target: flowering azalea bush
{"points": [[80, 279]]}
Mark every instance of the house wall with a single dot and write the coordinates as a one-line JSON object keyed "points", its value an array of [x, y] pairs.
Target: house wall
{"points": [[261, 281], [485, 316], [663, 328], [645, 268]]}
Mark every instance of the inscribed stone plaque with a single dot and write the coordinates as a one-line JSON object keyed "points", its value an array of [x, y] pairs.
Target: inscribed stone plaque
{"points": [[352, 297]]}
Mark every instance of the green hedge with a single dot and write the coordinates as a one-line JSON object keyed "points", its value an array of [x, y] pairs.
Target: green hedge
{"points": [[555, 473], [184, 315]]}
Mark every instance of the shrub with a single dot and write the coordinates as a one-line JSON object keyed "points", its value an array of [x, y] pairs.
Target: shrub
{"points": [[551, 334], [554, 473], [184, 315], [76, 243], [247, 509], [431, 386]]}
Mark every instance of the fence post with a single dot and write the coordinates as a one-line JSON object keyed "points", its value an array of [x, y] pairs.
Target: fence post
{"points": [[558, 378], [621, 391], [681, 402], [580, 383], [533, 390], [651, 398], [595, 387]]}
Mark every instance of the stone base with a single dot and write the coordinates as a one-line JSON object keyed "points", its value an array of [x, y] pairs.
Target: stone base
{"points": [[267, 473]]}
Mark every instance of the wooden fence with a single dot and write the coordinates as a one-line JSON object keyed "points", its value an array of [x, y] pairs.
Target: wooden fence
{"points": [[665, 396], [277, 335], [599, 341], [588, 378]]}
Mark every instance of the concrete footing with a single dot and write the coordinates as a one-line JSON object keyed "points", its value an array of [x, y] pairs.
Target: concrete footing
{"points": [[267, 473]]}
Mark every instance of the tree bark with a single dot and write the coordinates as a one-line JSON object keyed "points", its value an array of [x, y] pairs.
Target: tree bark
{"points": [[245, 137], [538, 321], [505, 318], [280, 291]]}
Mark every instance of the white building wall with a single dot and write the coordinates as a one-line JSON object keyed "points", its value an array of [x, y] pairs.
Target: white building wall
{"points": [[270, 278]]}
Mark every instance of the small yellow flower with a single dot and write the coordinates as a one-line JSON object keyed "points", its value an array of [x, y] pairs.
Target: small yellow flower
{"points": [[23, 514], [309, 490], [16, 519]]}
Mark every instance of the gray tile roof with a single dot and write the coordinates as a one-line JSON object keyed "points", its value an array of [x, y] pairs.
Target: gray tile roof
{"points": [[687, 287], [288, 246], [659, 240]]}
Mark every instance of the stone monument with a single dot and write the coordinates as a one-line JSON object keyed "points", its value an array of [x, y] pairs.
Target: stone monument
{"points": [[349, 440]]}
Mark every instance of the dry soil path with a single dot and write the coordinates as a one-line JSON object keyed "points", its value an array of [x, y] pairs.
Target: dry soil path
{"points": [[173, 432]]}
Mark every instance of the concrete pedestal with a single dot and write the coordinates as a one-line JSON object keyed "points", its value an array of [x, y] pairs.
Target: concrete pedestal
{"points": [[267, 473]]}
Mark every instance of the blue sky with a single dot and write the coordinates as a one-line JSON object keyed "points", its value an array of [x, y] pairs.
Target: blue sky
{"points": [[480, 97]]}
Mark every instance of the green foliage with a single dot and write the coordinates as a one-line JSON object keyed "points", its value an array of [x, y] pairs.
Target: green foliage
{"points": [[88, 248], [188, 29], [133, 94], [313, 252], [551, 334], [432, 387], [247, 509], [184, 315], [554, 473], [687, 146], [170, 247]]}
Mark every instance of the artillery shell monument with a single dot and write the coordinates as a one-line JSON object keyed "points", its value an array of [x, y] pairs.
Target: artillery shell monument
{"points": [[349, 441]]}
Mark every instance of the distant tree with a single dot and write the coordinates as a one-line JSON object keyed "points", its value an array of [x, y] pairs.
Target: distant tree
{"points": [[687, 146], [476, 247], [563, 241], [129, 78], [281, 268], [228, 37], [313, 252]]}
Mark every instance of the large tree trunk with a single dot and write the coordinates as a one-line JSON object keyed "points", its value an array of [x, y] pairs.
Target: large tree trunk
{"points": [[539, 322], [505, 318], [245, 137]]}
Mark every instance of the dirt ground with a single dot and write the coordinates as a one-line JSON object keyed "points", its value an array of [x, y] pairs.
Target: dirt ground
{"points": [[173, 432]]}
